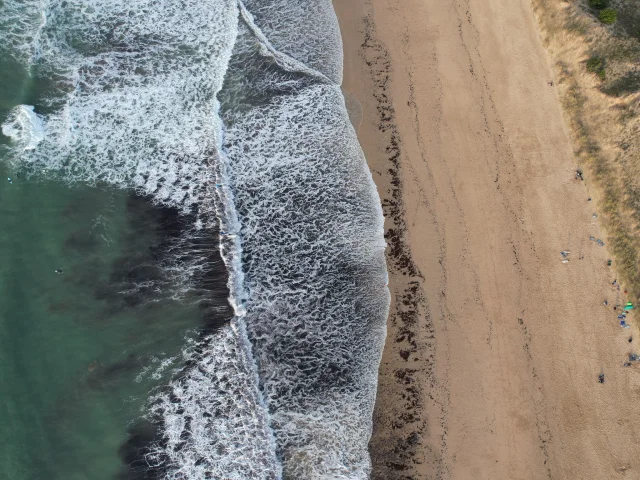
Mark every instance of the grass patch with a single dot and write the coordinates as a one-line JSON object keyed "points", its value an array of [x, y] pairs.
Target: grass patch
{"points": [[608, 16], [619, 50], [622, 242], [624, 85], [615, 59], [598, 4], [597, 65], [627, 113], [629, 17]]}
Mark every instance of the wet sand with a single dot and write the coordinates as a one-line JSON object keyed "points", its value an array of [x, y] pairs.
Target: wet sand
{"points": [[494, 345]]}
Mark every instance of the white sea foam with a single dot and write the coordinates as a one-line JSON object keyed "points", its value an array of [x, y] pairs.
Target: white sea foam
{"points": [[131, 102], [24, 127], [287, 388], [283, 60], [21, 22], [306, 30], [213, 422], [313, 256]]}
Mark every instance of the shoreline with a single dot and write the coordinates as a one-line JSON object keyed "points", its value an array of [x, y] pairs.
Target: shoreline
{"points": [[494, 345]]}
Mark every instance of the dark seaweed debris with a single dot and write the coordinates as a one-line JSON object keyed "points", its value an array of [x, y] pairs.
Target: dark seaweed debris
{"points": [[394, 451]]}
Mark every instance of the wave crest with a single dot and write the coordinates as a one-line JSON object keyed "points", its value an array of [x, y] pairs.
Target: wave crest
{"points": [[24, 128]]}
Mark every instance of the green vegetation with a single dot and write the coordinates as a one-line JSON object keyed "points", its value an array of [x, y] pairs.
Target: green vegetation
{"points": [[599, 4], [577, 25], [629, 17], [615, 60], [607, 143], [596, 65], [608, 16], [623, 85], [621, 237]]}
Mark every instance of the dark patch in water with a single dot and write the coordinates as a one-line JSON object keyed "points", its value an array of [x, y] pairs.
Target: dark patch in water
{"points": [[105, 377], [160, 236], [139, 278], [81, 241], [134, 451], [59, 307]]}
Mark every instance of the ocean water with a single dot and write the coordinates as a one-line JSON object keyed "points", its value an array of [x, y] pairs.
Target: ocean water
{"points": [[191, 169]]}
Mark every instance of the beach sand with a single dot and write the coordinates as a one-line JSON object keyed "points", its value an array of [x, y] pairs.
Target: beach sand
{"points": [[494, 345]]}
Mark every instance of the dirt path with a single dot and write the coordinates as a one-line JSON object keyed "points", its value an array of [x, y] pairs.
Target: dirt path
{"points": [[494, 345]]}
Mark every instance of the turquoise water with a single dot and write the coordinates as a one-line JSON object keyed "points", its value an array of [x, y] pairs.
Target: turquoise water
{"points": [[231, 113], [77, 352]]}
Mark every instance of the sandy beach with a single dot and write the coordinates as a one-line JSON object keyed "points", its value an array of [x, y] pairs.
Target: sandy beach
{"points": [[494, 345]]}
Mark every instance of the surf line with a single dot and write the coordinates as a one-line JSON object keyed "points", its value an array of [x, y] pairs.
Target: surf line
{"points": [[231, 253], [231, 245], [283, 60]]}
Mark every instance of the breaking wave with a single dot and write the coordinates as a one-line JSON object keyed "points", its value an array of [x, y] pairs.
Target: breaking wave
{"points": [[24, 128], [130, 97], [232, 113]]}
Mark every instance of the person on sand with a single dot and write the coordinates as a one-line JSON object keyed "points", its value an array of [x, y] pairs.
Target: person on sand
{"points": [[601, 378]]}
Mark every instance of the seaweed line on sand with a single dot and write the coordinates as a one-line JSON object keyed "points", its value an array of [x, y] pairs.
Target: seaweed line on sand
{"points": [[400, 425]]}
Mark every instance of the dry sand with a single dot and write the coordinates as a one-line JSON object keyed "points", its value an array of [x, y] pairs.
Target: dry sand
{"points": [[494, 346]]}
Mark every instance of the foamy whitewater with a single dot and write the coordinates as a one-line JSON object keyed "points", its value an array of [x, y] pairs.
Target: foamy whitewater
{"points": [[233, 113]]}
